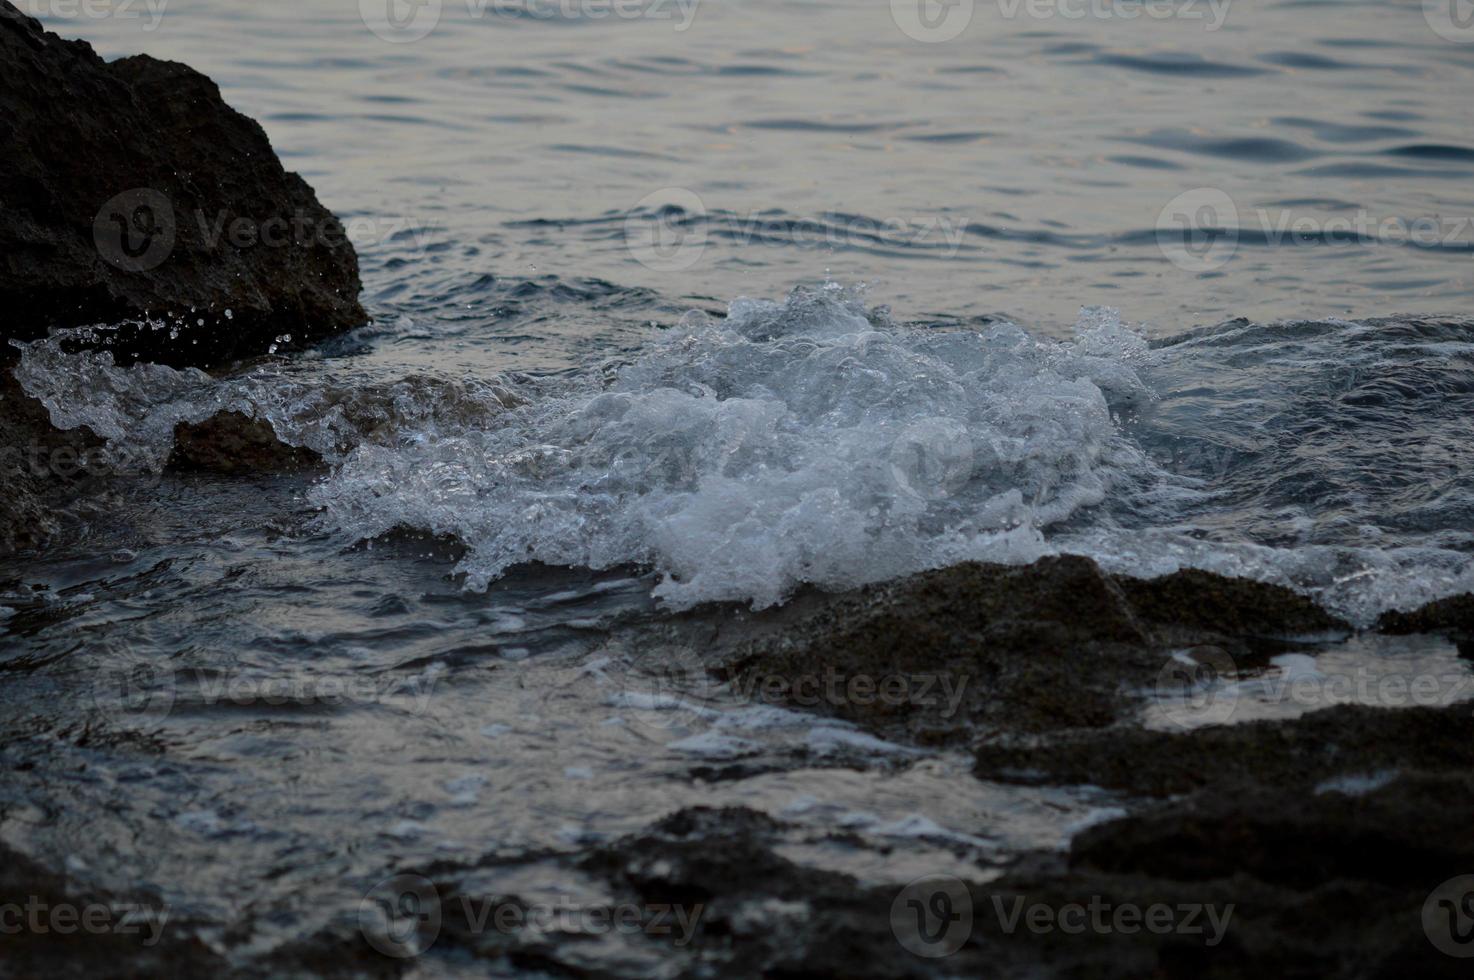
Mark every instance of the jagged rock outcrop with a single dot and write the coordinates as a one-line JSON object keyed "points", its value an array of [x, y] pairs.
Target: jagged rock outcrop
{"points": [[132, 190], [135, 198]]}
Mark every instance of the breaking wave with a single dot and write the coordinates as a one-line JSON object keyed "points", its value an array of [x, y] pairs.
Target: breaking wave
{"points": [[818, 441]]}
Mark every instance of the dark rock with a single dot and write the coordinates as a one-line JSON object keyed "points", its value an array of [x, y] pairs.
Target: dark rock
{"points": [[761, 914], [151, 940], [1324, 884], [234, 444], [40, 466], [1327, 909], [1408, 832], [133, 191], [1339, 741], [1454, 614], [1198, 600], [1051, 646]]}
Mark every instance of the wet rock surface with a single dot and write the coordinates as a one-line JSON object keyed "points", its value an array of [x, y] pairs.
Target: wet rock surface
{"points": [[134, 192], [1305, 847], [137, 200], [127, 935], [1453, 615], [1318, 839], [1270, 868], [1327, 834], [1321, 885], [1051, 646], [761, 914], [42, 468], [233, 444], [1344, 741]]}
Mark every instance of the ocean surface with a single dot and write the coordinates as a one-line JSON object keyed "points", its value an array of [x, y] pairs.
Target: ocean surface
{"points": [[505, 174], [714, 304]]}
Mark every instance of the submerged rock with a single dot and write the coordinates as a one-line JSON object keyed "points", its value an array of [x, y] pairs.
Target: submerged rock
{"points": [[760, 913], [234, 444], [134, 192], [1300, 884], [1328, 877], [1237, 886], [1348, 741], [56, 929], [39, 466], [1399, 830], [1300, 848]]}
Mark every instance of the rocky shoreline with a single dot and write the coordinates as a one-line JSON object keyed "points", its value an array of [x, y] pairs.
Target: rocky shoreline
{"points": [[1325, 833], [1309, 845], [1306, 846], [138, 202], [1316, 840]]}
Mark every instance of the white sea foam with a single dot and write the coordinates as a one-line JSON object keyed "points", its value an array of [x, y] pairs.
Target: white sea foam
{"points": [[715, 745], [813, 441], [137, 407], [791, 442]]}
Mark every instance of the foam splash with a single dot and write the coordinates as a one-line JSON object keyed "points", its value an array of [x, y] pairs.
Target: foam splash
{"points": [[137, 407], [804, 441], [815, 441]]}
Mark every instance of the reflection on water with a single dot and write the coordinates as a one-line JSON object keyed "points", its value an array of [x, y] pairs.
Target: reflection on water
{"points": [[296, 721], [1025, 166], [1208, 688]]}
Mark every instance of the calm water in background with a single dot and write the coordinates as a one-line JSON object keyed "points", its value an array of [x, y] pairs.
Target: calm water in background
{"points": [[1021, 168], [504, 177]]}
